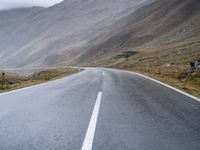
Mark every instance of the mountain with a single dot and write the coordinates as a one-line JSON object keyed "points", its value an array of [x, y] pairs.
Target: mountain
{"points": [[151, 26], [59, 34], [78, 32]]}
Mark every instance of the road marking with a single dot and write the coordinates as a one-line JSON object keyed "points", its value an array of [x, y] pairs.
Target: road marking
{"points": [[103, 74], [88, 141], [166, 85], [159, 82], [18, 90]]}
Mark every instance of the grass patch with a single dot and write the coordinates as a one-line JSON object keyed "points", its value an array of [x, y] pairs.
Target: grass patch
{"points": [[5, 88], [15, 82]]}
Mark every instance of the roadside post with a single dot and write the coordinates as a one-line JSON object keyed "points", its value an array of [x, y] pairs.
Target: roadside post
{"points": [[3, 79]]}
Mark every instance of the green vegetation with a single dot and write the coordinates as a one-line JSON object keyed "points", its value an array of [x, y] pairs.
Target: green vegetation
{"points": [[15, 82], [5, 88]]}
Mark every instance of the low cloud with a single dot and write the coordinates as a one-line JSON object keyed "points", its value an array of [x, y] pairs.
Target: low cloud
{"points": [[9, 4]]}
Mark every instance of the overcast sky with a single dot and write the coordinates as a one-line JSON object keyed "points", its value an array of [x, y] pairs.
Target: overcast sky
{"points": [[9, 4]]}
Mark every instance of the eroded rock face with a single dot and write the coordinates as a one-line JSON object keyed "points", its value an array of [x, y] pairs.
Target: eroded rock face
{"points": [[80, 31], [30, 37]]}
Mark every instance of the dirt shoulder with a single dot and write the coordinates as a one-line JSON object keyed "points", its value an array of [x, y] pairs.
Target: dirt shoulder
{"points": [[13, 82]]}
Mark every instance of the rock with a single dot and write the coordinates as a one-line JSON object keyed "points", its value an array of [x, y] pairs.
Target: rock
{"points": [[197, 64], [167, 65]]}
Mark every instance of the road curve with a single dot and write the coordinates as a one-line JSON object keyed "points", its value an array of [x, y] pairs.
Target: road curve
{"points": [[99, 109]]}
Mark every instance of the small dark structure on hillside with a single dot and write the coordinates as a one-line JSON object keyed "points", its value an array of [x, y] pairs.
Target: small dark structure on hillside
{"points": [[126, 54]]}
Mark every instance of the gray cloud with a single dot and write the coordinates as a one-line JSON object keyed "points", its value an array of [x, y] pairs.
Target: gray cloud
{"points": [[9, 4]]}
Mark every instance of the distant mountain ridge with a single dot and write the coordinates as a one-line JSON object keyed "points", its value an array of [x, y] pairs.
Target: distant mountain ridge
{"points": [[81, 31], [56, 35]]}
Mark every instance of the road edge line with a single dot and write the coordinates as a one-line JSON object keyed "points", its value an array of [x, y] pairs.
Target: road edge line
{"points": [[33, 86], [21, 89], [166, 85]]}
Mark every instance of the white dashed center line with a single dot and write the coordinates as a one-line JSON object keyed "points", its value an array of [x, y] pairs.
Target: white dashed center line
{"points": [[88, 141]]}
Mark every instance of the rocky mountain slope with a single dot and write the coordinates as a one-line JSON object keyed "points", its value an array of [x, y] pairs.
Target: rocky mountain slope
{"points": [[165, 36], [80, 32], [57, 35], [151, 27]]}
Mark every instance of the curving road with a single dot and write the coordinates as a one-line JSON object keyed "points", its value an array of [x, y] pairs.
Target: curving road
{"points": [[99, 109]]}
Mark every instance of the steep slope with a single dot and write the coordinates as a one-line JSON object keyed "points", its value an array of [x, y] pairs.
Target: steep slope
{"points": [[10, 22], [156, 24], [80, 32], [7, 16], [59, 34], [165, 36]]}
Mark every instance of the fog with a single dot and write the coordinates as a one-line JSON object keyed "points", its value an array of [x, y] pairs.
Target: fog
{"points": [[10, 4]]}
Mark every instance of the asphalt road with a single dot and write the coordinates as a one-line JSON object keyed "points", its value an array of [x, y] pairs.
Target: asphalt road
{"points": [[99, 109]]}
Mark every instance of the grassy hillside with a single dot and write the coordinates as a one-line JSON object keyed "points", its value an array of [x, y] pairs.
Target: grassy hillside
{"points": [[13, 82], [149, 28], [165, 36], [167, 63]]}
